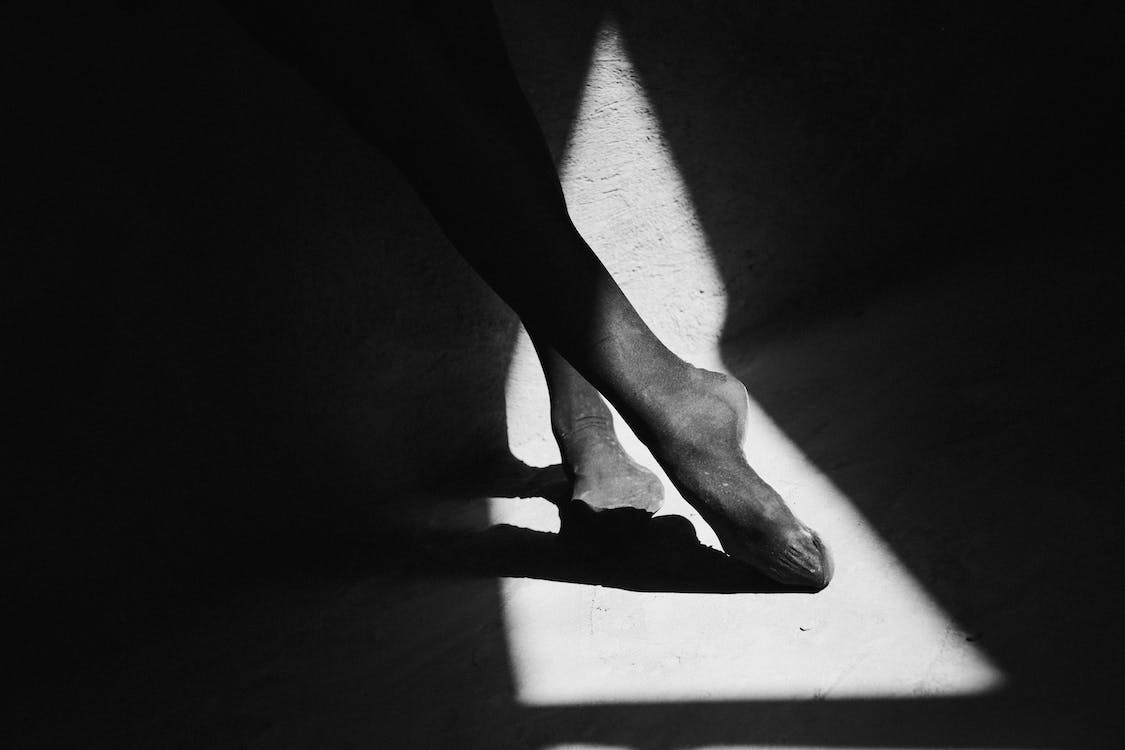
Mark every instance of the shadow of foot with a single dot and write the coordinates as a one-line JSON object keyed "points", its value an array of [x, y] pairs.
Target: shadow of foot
{"points": [[661, 555], [620, 549]]}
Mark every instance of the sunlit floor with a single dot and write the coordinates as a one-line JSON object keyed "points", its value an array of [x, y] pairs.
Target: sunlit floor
{"points": [[874, 633], [966, 612]]}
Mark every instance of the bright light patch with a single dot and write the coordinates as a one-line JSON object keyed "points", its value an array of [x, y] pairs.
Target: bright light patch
{"points": [[873, 633], [629, 201]]}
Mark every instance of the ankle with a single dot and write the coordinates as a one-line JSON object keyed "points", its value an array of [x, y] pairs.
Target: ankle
{"points": [[696, 406], [574, 431]]}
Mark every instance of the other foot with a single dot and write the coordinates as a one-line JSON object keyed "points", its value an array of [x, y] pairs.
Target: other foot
{"points": [[603, 476]]}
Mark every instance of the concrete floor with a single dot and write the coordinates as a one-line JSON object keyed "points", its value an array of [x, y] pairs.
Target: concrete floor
{"points": [[953, 435], [964, 613]]}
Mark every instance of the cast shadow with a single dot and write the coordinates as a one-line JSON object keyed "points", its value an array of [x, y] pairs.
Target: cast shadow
{"points": [[230, 329], [622, 549], [660, 555]]}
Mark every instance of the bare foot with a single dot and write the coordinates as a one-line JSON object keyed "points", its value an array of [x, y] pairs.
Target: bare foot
{"points": [[603, 476], [698, 441]]}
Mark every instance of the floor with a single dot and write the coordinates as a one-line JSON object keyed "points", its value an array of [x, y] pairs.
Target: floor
{"points": [[943, 438], [954, 437]]}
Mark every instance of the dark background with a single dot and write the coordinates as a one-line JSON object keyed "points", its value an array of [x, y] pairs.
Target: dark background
{"points": [[233, 337]]}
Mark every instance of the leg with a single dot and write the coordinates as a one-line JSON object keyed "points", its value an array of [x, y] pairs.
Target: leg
{"points": [[603, 476], [438, 93]]}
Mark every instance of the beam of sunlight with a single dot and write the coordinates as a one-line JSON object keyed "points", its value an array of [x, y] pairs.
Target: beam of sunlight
{"points": [[873, 633]]}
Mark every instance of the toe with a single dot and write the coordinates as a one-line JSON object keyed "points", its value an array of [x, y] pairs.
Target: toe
{"points": [[805, 562]]}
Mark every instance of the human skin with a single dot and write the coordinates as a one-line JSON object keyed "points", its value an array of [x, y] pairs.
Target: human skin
{"points": [[432, 86], [604, 478]]}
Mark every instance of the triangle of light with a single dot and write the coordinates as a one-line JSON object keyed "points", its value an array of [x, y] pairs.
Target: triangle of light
{"points": [[873, 633]]}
